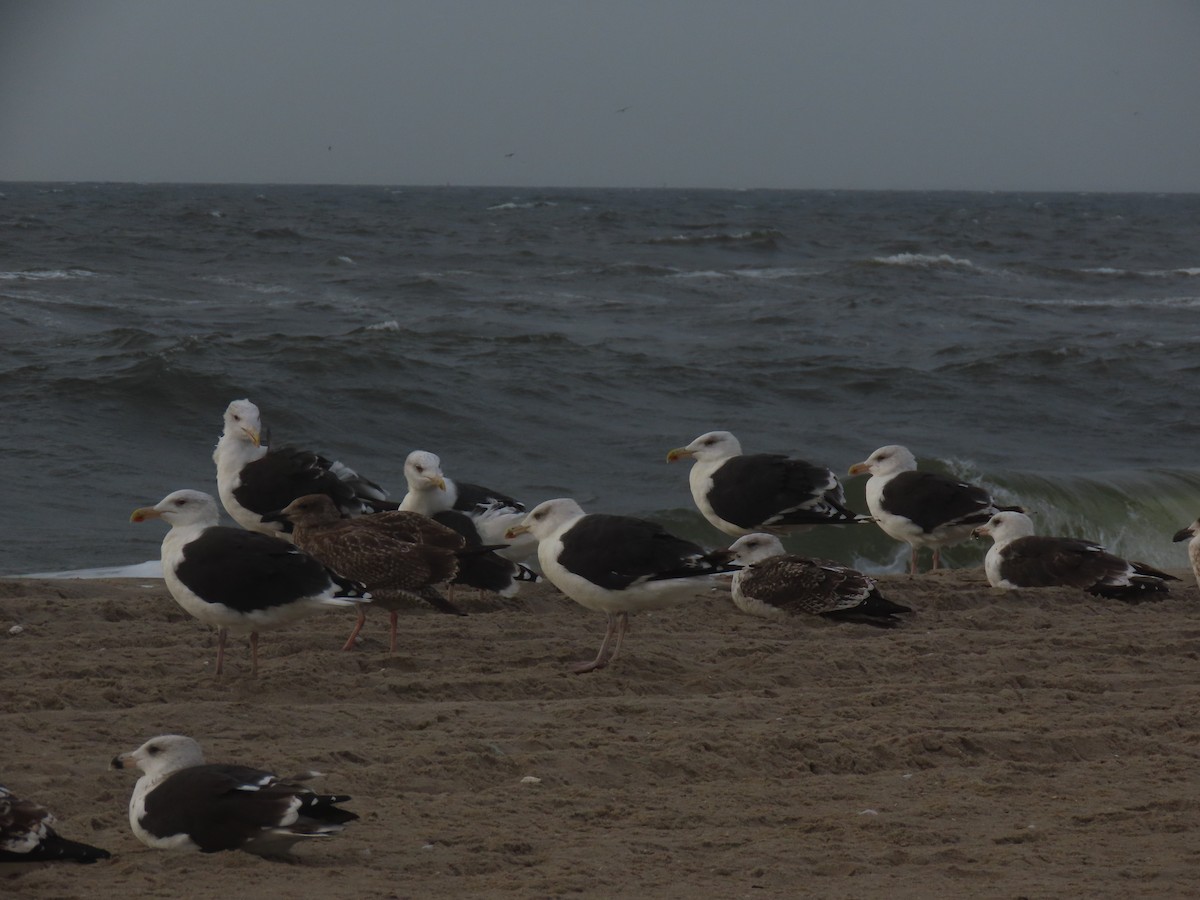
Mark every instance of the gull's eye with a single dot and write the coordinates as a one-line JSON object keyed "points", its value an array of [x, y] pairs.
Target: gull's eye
{"points": [[181, 502], [153, 749]]}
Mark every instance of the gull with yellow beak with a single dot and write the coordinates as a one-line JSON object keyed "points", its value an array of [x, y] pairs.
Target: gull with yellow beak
{"points": [[254, 479], [238, 580], [745, 493], [617, 565]]}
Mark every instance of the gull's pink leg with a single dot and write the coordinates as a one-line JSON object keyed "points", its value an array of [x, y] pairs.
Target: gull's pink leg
{"points": [[937, 558], [601, 659], [362, 617], [622, 629]]}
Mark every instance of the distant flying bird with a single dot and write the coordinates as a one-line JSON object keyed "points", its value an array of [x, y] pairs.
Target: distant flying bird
{"points": [[1020, 559], [507, 155], [254, 479], [740, 494], [923, 509], [27, 835], [776, 584], [623, 108], [182, 803], [617, 565], [239, 580]]}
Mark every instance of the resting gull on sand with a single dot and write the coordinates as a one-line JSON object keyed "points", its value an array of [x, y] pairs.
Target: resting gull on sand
{"points": [[180, 803], [27, 835], [1020, 559], [776, 584]]}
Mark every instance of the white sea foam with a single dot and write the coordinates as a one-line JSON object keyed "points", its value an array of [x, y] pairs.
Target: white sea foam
{"points": [[1149, 273], [46, 274], [149, 569], [389, 325], [772, 274], [924, 261]]}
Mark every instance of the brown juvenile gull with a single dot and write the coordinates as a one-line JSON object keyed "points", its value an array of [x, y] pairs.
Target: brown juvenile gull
{"points": [[254, 479], [398, 556], [740, 494], [239, 580], [27, 835], [1020, 559], [617, 565], [776, 584], [923, 509], [181, 803], [1193, 532]]}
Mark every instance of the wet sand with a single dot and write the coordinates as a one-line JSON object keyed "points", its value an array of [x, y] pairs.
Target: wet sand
{"points": [[1024, 744]]}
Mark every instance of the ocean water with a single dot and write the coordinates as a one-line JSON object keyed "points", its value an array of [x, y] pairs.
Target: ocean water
{"points": [[559, 342]]}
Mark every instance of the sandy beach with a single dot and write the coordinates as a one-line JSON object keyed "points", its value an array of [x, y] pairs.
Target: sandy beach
{"points": [[1024, 744]]}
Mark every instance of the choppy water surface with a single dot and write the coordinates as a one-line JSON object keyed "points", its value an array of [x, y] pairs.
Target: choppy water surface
{"points": [[557, 343]]}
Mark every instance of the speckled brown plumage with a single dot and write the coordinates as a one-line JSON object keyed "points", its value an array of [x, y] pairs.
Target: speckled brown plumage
{"points": [[775, 584], [399, 556]]}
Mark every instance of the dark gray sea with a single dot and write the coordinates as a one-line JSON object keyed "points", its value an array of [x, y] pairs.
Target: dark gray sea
{"points": [[559, 342]]}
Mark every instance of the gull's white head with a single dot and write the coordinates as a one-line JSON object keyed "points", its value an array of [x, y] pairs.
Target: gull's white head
{"points": [[886, 461], [715, 445], [243, 422], [547, 518], [181, 508], [1005, 526], [423, 471], [162, 755], [752, 548]]}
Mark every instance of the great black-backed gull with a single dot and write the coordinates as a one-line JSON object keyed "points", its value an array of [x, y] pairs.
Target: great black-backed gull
{"points": [[397, 556], [1020, 559], [180, 803], [923, 509], [1192, 535], [464, 506], [617, 565], [253, 479], [740, 494], [239, 580], [776, 584], [27, 835]]}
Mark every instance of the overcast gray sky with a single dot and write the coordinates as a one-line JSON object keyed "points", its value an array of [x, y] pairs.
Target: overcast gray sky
{"points": [[1003, 94]]}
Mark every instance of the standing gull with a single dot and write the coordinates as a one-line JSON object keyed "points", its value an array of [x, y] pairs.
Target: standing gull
{"points": [[253, 479], [397, 556], [923, 509], [1020, 559], [740, 494], [775, 584], [617, 565], [27, 835], [237, 579], [180, 803], [481, 514], [1192, 532]]}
